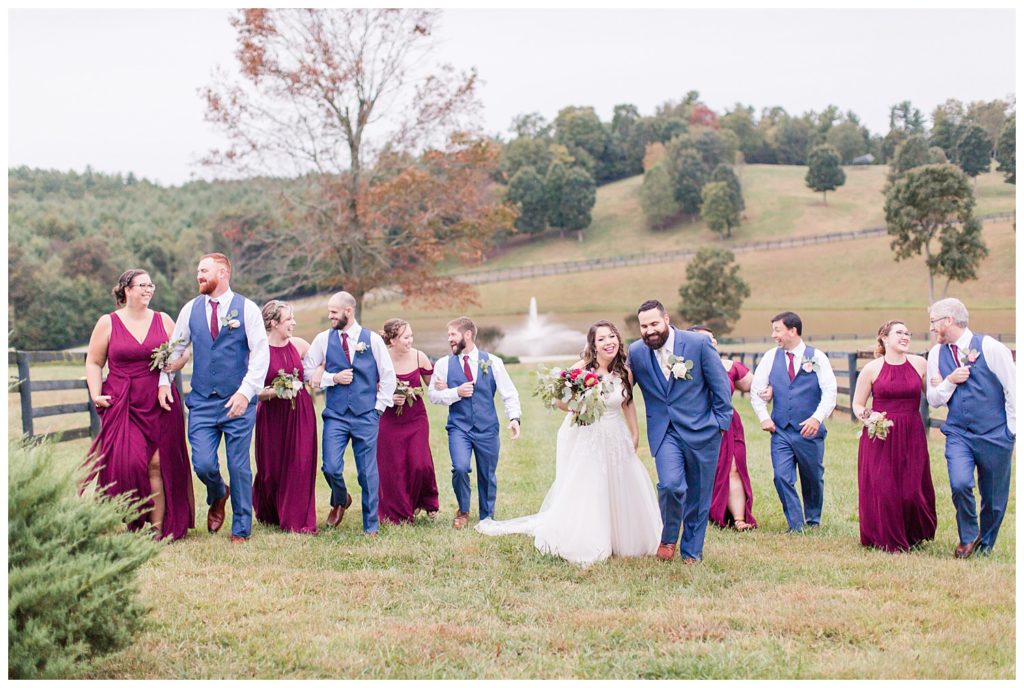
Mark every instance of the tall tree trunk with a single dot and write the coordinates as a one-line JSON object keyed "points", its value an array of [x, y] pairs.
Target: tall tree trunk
{"points": [[931, 275], [824, 197]]}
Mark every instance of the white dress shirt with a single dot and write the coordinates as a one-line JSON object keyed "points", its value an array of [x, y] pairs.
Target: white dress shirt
{"points": [[826, 381], [255, 332], [665, 351], [999, 360], [507, 390], [387, 381]]}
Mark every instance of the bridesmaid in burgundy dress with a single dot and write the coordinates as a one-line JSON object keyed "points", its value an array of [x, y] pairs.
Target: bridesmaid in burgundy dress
{"points": [[283, 492], [140, 446], [732, 498], [404, 461], [897, 500]]}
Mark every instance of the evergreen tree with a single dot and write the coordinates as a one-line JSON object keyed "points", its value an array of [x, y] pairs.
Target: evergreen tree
{"points": [[824, 172], [725, 173], [72, 565], [713, 291], [974, 151], [718, 208], [1006, 152], [526, 190]]}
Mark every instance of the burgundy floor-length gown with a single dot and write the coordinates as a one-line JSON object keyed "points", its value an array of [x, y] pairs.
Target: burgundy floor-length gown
{"points": [[283, 491], [897, 500], [134, 427], [734, 446], [404, 461]]}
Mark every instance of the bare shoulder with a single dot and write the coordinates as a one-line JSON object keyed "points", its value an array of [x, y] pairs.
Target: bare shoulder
{"points": [[920, 363], [300, 344], [103, 324], [422, 360], [873, 366]]}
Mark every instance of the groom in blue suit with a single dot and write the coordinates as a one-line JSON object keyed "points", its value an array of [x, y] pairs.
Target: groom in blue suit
{"points": [[689, 406]]}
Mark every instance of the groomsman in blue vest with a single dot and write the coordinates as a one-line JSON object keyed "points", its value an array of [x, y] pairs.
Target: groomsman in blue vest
{"points": [[689, 406], [230, 358], [466, 383], [803, 388], [975, 377], [360, 381]]}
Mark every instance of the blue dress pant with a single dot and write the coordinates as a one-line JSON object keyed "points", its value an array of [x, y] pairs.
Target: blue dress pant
{"points": [[207, 422], [362, 430], [991, 456], [686, 477], [793, 454], [486, 447]]}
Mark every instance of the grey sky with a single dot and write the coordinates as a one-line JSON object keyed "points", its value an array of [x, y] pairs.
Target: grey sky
{"points": [[117, 89]]}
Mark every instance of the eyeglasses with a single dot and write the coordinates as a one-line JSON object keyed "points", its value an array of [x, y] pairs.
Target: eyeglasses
{"points": [[145, 287], [935, 320]]}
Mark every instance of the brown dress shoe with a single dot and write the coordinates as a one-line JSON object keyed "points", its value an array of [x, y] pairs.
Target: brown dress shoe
{"points": [[238, 538], [337, 512], [461, 520], [666, 551], [215, 516], [965, 551]]}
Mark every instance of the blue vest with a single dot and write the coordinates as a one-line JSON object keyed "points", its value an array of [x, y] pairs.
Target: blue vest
{"points": [[796, 401], [360, 396], [218, 367], [475, 413], [978, 405]]}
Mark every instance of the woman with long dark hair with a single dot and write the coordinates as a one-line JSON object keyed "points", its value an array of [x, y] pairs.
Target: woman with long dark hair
{"points": [[602, 502], [140, 447]]}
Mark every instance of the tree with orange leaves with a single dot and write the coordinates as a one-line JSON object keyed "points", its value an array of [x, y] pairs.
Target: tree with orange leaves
{"points": [[390, 179]]}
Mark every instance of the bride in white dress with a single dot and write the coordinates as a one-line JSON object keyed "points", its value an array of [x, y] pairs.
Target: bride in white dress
{"points": [[602, 502]]}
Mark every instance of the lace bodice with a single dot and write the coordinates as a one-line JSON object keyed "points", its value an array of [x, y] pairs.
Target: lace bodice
{"points": [[613, 399]]}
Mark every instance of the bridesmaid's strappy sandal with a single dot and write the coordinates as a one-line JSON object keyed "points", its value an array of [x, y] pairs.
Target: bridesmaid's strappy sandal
{"points": [[742, 526]]}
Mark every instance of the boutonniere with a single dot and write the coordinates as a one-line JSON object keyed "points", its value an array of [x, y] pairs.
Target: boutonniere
{"points": [[230, 320], [485, 365], [680, 367], [809, 365], [360, 347], [969, 357]]}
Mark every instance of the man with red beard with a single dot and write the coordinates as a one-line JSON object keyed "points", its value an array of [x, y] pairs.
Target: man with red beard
{"points": [[230, 359]]}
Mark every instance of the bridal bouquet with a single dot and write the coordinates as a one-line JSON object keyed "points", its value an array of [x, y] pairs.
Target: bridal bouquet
{"points": [[580, 390], [162, 354], [287, 385], [877, 426], [409, 392]]}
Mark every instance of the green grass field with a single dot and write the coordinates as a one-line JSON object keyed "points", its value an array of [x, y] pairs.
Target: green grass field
{"points": [[424, 601]]}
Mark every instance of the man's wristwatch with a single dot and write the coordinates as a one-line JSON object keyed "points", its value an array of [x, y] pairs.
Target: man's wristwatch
{"points": [[516, 420]]}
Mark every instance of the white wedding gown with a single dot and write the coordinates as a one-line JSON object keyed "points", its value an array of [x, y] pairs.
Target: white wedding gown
{"points": [[602, 502]]}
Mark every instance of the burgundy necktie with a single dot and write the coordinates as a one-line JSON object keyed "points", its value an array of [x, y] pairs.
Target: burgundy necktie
{"points": [[792, 370], [956, 355], [214, 323], [344, 345], [466, 370]]}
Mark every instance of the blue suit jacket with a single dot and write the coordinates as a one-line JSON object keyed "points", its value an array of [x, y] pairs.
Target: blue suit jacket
{"points": [[698, 409]]}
